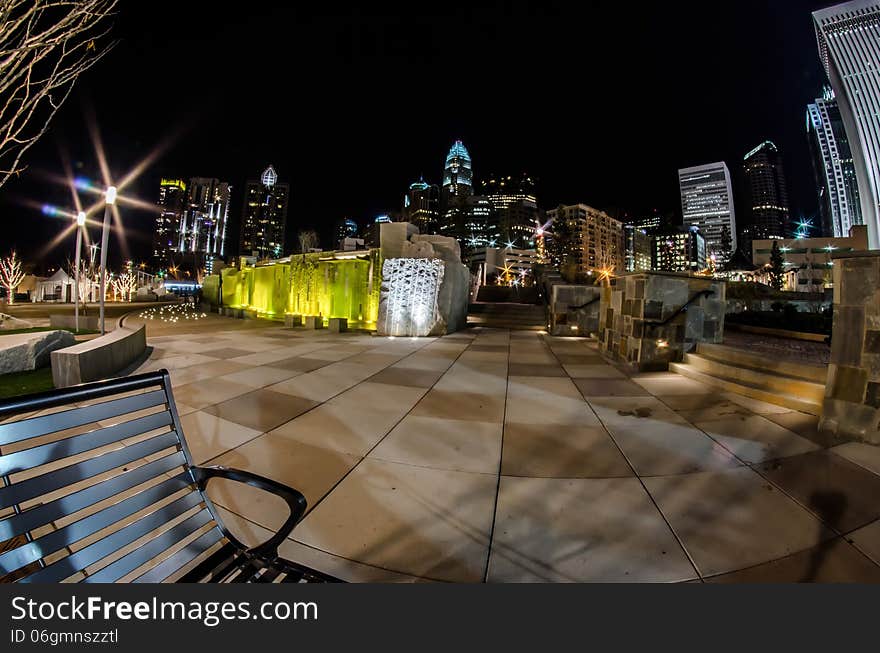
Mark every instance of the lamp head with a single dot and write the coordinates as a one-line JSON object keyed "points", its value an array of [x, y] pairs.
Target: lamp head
{"points": [[80, 218], [110, 195]]}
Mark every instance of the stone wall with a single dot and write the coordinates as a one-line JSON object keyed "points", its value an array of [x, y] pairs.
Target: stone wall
{"points": [[574, 310], [639, 322], [852, 391]]}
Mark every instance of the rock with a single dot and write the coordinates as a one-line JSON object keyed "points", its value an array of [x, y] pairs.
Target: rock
{"points": [[29, 351]]}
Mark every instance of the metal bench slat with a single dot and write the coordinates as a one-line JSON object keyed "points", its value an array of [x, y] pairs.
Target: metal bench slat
{"points": [[211, 564], [131, 561], [76, 501], [59, 478], [181, 558], [56, 540], [61, 421], [47, 453], [96, 551]]}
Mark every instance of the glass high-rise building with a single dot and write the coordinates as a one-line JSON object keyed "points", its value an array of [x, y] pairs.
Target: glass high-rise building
{"points": [[421, 206], [834, 170], [707, 203], [515, 208], [202, 231], [458, 176], [172, 195], [264, 219], [768, 215], [848, 37]]}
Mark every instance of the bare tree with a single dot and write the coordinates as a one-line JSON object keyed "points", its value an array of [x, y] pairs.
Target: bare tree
{"points": [[11, 274], [308, 240], [45, 45]]}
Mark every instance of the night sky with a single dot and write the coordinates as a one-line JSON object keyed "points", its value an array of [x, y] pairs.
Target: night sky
{"points": [[601, 101]]}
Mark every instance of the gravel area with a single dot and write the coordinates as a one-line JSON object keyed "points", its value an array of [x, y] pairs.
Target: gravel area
{"points": [[816, 353]]}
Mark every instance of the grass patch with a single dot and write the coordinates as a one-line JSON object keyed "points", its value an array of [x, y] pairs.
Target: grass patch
{"points": [[81, 332], [22, 383]]}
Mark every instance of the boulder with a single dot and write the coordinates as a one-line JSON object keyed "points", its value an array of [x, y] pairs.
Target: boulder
{"points": [[28, 351]]}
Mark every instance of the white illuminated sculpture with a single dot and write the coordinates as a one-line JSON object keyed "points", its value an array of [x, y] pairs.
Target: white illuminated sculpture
{"points": [[408, 305]]}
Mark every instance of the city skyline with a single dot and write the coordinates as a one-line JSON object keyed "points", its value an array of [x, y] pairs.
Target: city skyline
{"points": [[549, 145]]}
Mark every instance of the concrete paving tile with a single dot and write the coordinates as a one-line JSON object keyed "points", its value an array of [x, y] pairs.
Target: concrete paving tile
{"points": [[603, 371], [617, 536], [867, 540], [461, 405], [261, 376], [862, 454], [733, 519], [656, 440], [543, 400], [536, 369], [407, 377], [207, 392], [561, 451], [262, 409], [839, 492], [609, 388], [834, 561], [457, 445], [311, 470], [755, 439], [413, 520], [208, 436]]}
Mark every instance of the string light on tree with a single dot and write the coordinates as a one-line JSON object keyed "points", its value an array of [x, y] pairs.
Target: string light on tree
{"points": [[11, 275]]}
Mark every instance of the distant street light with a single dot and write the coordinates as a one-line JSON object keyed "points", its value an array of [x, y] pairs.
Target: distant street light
{"points": [[80, 223], [109, 200]]}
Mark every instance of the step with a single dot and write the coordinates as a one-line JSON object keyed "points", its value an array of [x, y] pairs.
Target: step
{"points": [[786, 401], [763, 363], [770, 381], [505, 324]]}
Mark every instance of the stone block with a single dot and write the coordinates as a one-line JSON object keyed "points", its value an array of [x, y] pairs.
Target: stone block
{"points": [[314, 321], [872, 342], [90, 322], [21, 352], [846, 419], [337, 324], [849, 384], [653, 309], [850, 321], [872, 395], [291, 321], [859, 281], [100, 358]]}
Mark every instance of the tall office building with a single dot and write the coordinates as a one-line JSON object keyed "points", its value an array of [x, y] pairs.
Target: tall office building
{"points": [[848, 37], [458, 176], [833, 167], [202, 231], [598, 243], [678, 249], [768, 215], [172, 195], [707, 203], [421, 206], [515, 208], [264, 219]]}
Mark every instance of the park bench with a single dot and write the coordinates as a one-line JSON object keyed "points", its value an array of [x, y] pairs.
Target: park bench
{"points": [[98, 485]]}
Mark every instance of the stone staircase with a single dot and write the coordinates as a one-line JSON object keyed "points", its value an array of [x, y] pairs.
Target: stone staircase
{"points": [[507, 315], [798, 386]]}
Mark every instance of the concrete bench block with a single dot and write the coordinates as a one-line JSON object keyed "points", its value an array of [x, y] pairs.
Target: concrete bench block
{"points": [[338, 324], [99, 358], [291, 321], [314, 322]]}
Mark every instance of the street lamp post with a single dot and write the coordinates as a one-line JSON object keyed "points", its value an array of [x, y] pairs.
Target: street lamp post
{"points": [[80, 222], [109, 200]]}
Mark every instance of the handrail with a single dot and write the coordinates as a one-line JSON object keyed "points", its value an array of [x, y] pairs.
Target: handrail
{"points": [[681, 309], [592, 301]]}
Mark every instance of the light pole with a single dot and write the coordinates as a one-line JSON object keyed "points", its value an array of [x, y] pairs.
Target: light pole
{"points": [[80, 222], [109, 200]]}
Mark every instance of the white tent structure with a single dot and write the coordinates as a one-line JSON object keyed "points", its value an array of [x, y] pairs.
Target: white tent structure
{"points": [[60, 288]]}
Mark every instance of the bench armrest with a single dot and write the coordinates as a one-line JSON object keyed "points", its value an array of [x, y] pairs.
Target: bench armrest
{"points": [[294, 498]]}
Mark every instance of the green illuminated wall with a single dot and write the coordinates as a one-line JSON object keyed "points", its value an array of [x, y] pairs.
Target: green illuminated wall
{"points": [[314, 284]]}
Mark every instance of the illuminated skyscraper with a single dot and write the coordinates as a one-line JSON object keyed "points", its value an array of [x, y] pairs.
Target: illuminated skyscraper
{"points": [[848, 36], [515, 208], [421, 206], [597, 244], [264, 220], [202, 231], [707, 203], [768, 197], [458, 177], [172, 194], [834, 171]]}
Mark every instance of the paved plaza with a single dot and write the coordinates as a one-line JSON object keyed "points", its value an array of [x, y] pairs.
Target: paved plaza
{"points": [[504, 456]]}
